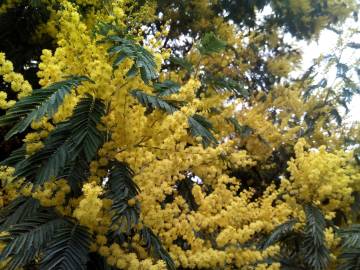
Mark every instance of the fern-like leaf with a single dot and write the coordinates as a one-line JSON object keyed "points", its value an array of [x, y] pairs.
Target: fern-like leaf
{"points": [[85, 136], [279, 233], [76, 172], [154, 102], [26, 239], [200, 126], [17, 210], [143, 59], [182, 62], [78, 135], [316, 254], [41, 102], [154, 246], [350, 255], [350, 259], [15, 157], [68, 249], [243, 131], [49, 161], [227, 84], [350, 236], [210, 43], [166, 88], [122, 188]]}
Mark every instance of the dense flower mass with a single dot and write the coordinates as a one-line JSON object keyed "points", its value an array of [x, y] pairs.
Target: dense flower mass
{"points": [[168, 156]]}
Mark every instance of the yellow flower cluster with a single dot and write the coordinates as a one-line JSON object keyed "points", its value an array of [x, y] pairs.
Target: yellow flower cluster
{"points": [[89, 208], [324, 178], [10, 188], [118, 257], [16, 80], [52, 193]]}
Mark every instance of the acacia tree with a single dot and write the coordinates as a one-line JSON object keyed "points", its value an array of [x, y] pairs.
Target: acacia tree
{"points": [[172, 135]]}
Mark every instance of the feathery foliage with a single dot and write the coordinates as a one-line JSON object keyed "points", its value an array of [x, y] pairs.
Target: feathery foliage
{"points": [[68, 248], [210, 43], [121, 189], [143, 60], [154, 102], [27, 238], [350, 254], [153, 244], [77, 136], [200, 127], [166, 88], [279, 233], [42, 102], [316, 254]]}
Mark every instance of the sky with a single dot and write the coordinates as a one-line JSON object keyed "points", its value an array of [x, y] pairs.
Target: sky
{"points": [[326, 44]]}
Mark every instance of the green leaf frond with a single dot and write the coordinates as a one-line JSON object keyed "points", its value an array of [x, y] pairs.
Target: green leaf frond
{"points": [[166, 88], [200, 126], [68, 248], [182, 62], [122, 188], [226, 84], [279, 233], [17, 210], [210, 43], [154, 246], [24, 240], [41, 102], [143, 60], [242, 130], [77, 136], [350, 254], [316, 254], [154, 102]]}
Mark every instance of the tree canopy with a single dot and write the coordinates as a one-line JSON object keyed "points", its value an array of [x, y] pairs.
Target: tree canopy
{"points": [[177, 135]]}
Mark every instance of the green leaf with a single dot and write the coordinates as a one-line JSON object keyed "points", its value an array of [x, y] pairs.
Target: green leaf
{"points": [[350, 259], [153, 244], [77, 136], [85, 136], [48, 161], [334, 113], [200, 126], [243, 131], [228, 84], [27, 238], [154, 102], [279, 233], [166, 88], [68, 249], [211, 44], [144, 60], [310, 89], [45, 101], [15, 157], [316, 254], [182, 62], [342, 69], [17, 210], [350, 236], [76, 172], [353, 45], [122, 188], [103, 29]]}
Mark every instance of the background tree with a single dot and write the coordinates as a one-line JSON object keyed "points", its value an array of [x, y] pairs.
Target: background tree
{"points": [[174, 134]]}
